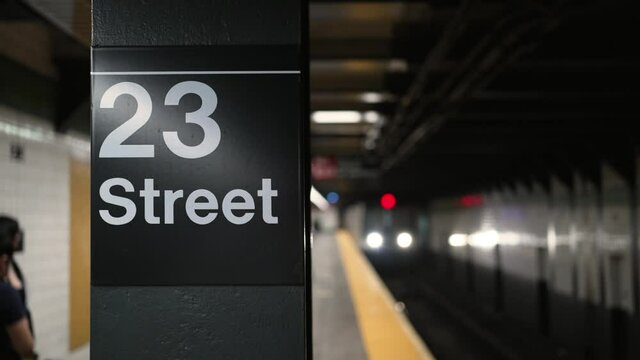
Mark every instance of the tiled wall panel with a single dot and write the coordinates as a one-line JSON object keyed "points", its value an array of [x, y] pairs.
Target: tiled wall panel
{"points": [[35, 189]]}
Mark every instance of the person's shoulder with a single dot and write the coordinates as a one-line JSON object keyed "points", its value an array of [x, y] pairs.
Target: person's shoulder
{"points": [[5, 287], [7, 291], [11, 308]]}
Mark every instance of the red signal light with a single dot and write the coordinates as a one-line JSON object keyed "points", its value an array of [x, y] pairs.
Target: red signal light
{"points": [[388, 201], [472, 200]]}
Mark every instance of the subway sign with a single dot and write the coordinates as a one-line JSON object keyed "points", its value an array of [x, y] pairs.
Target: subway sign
{"points": [[197, 166]]}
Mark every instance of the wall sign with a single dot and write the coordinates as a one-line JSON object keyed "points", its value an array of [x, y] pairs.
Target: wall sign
{"points": [[197, 166]]}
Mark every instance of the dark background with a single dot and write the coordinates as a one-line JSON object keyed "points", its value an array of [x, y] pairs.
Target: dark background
{"points": [[258, 119]]}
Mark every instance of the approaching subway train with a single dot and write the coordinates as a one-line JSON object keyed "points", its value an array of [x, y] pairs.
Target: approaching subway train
{"points": [[557, 260]]}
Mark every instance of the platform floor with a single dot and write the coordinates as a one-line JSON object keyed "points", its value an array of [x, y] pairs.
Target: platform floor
{"points": [[355, 316], [335, 327]]}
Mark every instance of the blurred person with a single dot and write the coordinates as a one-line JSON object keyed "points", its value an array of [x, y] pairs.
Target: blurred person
{"points": [[11, 228], [16, 340]]}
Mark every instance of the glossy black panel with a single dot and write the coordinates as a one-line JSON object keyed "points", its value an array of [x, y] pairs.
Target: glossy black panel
{"points": [[258, 115]]}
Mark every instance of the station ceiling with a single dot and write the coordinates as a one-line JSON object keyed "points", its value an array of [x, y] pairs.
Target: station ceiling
{"points": [[453, 96]]}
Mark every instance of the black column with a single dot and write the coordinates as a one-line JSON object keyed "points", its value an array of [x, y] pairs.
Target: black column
{"points": [[195, 320]]}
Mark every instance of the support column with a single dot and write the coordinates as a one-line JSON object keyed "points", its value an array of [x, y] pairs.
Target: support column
{"points": [[177, 274]]}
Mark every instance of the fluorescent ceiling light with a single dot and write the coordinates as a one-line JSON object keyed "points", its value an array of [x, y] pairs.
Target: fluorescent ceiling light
{"points": [[336, 117], [371, 117], [345, 117], [372, 97], [398, 65], [367, 97]]}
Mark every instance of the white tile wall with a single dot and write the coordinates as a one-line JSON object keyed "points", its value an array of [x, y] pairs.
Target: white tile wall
{"points": [[36, 191]]}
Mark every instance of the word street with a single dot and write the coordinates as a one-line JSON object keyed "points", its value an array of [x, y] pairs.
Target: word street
{"points": [[201, 206]]}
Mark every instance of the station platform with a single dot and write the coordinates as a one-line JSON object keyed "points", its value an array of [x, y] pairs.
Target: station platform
{"points": [[355, 316]]}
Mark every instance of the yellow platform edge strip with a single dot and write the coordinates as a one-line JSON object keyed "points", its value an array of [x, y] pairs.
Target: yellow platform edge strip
{"points": [[386, 333]]}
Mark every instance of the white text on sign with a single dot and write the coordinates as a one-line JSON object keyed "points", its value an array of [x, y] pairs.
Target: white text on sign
{"points": [[201, 206]]}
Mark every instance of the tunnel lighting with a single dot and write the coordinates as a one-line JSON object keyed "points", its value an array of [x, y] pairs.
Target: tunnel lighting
{"points": [[373, 97], [397, 65], [375, 240], [484, 239], [404, 240], [336, 117], [345, 117], [372, 117], [458, 240]]}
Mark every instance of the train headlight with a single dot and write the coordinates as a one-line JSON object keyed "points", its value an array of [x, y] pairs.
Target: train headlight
{"points": [[404, 240], [375, 240], [458, 240], [484, 239]]}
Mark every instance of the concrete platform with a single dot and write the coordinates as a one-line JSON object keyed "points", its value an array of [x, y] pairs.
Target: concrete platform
{"points": [[335, 329], [355, 316]]}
